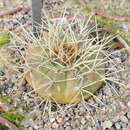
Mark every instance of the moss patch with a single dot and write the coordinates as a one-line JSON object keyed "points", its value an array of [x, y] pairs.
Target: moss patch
{"points": [[4, 39]]}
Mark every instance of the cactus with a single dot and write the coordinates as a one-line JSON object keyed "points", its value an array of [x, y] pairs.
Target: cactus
{"points": [[66, 63], [57, 83]]}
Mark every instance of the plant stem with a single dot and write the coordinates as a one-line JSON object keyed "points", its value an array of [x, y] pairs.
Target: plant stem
{"points": [[119, 18], [8, 124], [15, 10]]}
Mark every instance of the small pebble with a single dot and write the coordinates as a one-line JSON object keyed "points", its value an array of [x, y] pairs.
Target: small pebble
{"points": [[68, 128], [117, 125], [123, 26], [2, 73], [52, 119], [10, 84], [41, 129], [83, 121], [129, 125], [124, 125], [122, 105], [125, 129], [107, 124], [124, 119], [36, 127], [1, 4], [60, 120], [128, 104], [27, 123], [30, 128], [128, 114], [89, 128], [55, 125]]}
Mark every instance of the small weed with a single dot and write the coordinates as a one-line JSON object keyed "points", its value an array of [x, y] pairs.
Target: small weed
{"points": [[4, 39]]}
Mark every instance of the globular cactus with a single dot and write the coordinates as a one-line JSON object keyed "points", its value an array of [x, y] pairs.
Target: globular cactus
{"points": [[66, 63], [61, 84]]}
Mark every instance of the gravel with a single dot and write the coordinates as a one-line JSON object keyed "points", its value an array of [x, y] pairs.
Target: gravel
{"points": [[117, 126]]}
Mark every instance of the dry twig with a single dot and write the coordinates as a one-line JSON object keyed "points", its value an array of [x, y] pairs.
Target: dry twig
{"points": [[15, 10], [119, 18], [8, 124]]}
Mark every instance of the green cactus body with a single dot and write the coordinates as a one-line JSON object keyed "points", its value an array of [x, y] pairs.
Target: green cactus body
{"points": [[61, 86]]}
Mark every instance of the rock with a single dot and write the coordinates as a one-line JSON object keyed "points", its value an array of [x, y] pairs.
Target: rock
{"points": [[125, 129], [68, 128], [98, 128], [67, 124], [128, 36], [25, 128], [122, 105], [41, 129], [89, 128], [123, 26], [30, 128], [55, 125], [1, 4], [52, 120], [128, 114], [129, 125], [60, 120], [117, 125], [128, 104], [83, 121], [111, 128], [2, 73], [107, 124], [124, 119], [124, 125], [10, 84], [36, 127], [32, 115], [22, 21], [26, 123]]}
